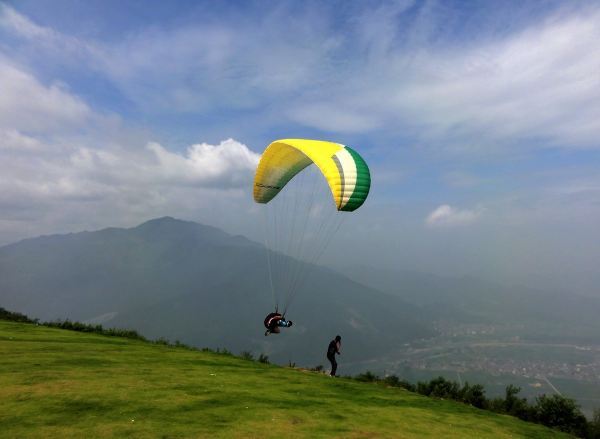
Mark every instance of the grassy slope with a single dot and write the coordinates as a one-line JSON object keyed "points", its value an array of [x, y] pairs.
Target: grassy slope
{"points": [[63, 383]]}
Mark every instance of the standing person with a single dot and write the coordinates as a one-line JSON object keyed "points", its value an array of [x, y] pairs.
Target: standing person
{"points": [[332, 350]]}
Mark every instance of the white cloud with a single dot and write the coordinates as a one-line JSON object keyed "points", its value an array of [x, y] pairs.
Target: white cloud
{"points": [[26, 105], [93, 172], [539, 84], [446, 215], [537, 87], [13, 139], [50, 41], [229, 163], [87, 186], [21, 25]]}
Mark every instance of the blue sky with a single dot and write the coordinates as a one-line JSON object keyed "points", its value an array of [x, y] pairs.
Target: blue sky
{"points": [[480, 121]]}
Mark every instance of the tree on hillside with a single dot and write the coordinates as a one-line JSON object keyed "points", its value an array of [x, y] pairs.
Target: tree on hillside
{"points": [[559, 412], [439, 387], [594, 425], [15, 316], [515, 406], [474, 395]]}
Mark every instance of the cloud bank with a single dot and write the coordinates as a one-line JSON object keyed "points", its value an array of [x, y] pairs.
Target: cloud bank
{"points": [[64, 165], [390, 70]]}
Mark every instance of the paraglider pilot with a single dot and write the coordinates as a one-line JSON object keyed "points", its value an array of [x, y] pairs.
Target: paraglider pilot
{"points": [[274, 321]]}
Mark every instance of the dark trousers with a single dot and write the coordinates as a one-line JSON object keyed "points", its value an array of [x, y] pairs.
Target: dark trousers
{"points": [[331, 359]]}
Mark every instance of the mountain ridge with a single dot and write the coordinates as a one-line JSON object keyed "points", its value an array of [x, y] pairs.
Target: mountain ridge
{"points": [[198, 284]]}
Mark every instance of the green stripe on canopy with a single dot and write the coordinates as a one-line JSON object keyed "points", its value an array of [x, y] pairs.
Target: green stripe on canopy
{"points": [[363, 182]]}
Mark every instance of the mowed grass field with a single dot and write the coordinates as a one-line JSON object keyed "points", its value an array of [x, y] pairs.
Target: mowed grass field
{"points": [[57, 383]]}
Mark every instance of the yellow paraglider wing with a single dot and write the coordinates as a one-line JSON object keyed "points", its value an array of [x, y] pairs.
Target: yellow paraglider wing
{"points": [[346, 172]]}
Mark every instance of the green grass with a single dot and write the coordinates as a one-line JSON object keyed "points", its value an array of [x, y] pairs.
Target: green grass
{"points": [[57, 383]]}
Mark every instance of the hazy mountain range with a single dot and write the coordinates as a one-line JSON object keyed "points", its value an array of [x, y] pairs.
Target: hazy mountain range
{"points": [[197, 284], [552, 314]]}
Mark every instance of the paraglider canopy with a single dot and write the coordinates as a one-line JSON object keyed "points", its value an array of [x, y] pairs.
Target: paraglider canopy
{"points": [[345, 171]]}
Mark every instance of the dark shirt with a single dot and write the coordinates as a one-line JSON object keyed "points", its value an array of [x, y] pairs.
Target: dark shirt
{"points": [[333, 348]]}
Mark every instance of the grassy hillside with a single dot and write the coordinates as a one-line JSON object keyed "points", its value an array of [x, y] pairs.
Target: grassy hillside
{"points": [[60, 383]]}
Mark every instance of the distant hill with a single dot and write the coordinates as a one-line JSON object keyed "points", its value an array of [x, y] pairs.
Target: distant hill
{"points": [[57, 383], [200, 285], [559, 314]]}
